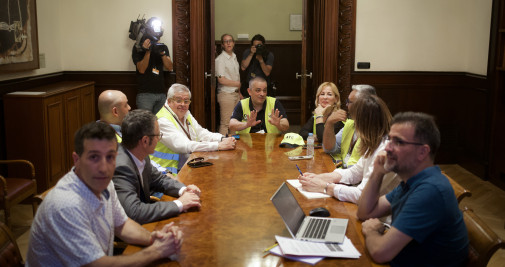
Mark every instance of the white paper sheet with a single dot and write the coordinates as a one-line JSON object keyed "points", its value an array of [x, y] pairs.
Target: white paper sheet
{"points": [[310, 260], [295, 247], [310, 195]]}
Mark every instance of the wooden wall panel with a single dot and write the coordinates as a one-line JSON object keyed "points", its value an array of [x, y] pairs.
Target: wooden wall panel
{"points": [[457, 100]]}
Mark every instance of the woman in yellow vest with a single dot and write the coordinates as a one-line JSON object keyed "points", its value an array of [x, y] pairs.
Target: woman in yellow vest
{"points": [[372, 123], [327, 100]]}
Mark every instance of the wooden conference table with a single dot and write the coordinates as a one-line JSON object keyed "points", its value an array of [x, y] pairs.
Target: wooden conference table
{"points": [[237, 220]]}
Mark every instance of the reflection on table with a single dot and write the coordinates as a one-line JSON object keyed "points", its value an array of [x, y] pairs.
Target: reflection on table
{"points": [[237, 221]]}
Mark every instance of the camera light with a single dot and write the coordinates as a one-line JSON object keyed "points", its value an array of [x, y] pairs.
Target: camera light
{"points": [[156, 25]]}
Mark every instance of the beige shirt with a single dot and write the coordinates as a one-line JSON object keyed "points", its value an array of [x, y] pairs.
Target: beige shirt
{"points": [[227, 66]]}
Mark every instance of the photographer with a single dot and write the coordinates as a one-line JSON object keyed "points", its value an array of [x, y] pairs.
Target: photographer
{"points": [[257, 61], [150, 60]]}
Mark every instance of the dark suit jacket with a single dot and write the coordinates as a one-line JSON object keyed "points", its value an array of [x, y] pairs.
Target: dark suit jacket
{"points": [[135, 201]]}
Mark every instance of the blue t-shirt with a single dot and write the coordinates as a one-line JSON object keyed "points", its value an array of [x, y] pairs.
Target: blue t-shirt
{"points": [[426, 209]]}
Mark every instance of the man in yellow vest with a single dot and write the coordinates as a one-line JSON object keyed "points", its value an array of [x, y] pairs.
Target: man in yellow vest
{"points": [[182, 134], [258, 113], [113, 107], [343, 146]]}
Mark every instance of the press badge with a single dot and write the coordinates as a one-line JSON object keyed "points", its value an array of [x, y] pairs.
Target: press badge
{"points": [[156, 71]]}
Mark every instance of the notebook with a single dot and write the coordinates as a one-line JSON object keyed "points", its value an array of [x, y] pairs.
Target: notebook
{"points": [[301, 227]]}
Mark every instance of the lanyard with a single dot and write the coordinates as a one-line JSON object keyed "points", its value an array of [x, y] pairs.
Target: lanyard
{"points": [[177, 119]]}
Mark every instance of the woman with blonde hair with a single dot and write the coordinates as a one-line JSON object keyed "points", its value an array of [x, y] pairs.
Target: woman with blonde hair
{"points": [[327, 101], [372, 121]]}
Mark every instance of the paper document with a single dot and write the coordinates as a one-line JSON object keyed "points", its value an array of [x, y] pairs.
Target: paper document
{"points": [[305, 259], [295, 247], [310, 195]]}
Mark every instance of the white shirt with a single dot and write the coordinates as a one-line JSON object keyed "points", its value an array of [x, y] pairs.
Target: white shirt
{"points": [[175, 138], [358, 175], [72, 226], [227, 66]]}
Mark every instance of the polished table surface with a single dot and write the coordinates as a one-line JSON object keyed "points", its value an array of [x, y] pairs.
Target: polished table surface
{"points": [[237, 220]]}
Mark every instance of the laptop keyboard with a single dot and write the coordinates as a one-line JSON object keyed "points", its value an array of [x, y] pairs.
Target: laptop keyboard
{"points": [[317, 228]]}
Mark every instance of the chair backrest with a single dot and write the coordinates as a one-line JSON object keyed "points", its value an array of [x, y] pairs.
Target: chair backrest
{"points": [[459, 190], [9, 250], [483, 241]]}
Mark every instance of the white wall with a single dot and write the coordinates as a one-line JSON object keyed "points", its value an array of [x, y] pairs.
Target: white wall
{"points": [[393, 35], [95, 32], [240, 17], [92, 35], [427, 35]]}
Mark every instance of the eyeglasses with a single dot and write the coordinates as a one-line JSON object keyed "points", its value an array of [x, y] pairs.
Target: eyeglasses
{"points": [[397, 142], [227, 41], [199, 162], [182, 101], [160, 135]]}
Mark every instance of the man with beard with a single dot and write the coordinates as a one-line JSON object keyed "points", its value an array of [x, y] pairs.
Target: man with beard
{"points": [[427, 226]]}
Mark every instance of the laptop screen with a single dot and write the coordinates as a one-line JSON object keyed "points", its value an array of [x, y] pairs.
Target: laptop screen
{"points": [[289, 209]]}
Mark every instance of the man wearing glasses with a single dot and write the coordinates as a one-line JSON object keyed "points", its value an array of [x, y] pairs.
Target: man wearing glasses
{"points": [[182, 134], [341, 146], [427, 227], [135, 178]]}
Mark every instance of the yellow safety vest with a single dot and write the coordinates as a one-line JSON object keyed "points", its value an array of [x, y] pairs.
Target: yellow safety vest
{"points": [[163, 155], [246, 112], [314, 127], [119, 138], [345, 145]]}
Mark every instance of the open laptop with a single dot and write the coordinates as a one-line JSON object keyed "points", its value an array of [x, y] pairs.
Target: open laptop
{"points": [[317, 229]]}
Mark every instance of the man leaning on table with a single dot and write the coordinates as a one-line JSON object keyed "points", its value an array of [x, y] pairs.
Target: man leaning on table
{"points": [[135, 178], [76, 223], [427, 226], [258, 113], [182, 134]]}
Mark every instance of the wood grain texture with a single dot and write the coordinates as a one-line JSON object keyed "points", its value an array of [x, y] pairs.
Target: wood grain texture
{"points": [[237, 220]]}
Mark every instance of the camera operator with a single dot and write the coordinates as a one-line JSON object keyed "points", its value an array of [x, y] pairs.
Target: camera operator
{"points": [[257, 61], [150, 60]]}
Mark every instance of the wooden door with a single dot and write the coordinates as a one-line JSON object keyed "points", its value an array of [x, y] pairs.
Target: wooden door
{"points": [[329, 44], [210, 77], [56, 136], [306, 66]]}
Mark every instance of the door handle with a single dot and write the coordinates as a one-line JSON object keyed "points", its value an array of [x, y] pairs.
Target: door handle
{"points": [[207, 75], [303, 75]]}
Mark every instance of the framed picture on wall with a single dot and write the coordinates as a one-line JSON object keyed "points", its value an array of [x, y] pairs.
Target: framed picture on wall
{"points": [[19, 49]]}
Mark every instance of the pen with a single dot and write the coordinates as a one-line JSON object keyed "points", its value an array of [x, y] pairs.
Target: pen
{"points": [[299, 169], [270, 247]]}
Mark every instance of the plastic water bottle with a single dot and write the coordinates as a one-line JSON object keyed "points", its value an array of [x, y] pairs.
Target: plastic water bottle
{"points": [[310, 145]]}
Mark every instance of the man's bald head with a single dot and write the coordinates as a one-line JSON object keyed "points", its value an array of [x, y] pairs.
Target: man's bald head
{"points": [[113, 106]]}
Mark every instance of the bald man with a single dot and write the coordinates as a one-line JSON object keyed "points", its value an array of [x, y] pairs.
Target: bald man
{"points": [[113, 107]]}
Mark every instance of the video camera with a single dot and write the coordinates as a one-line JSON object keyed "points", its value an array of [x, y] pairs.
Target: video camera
{"points": [[262, 50], [141, 30]]}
